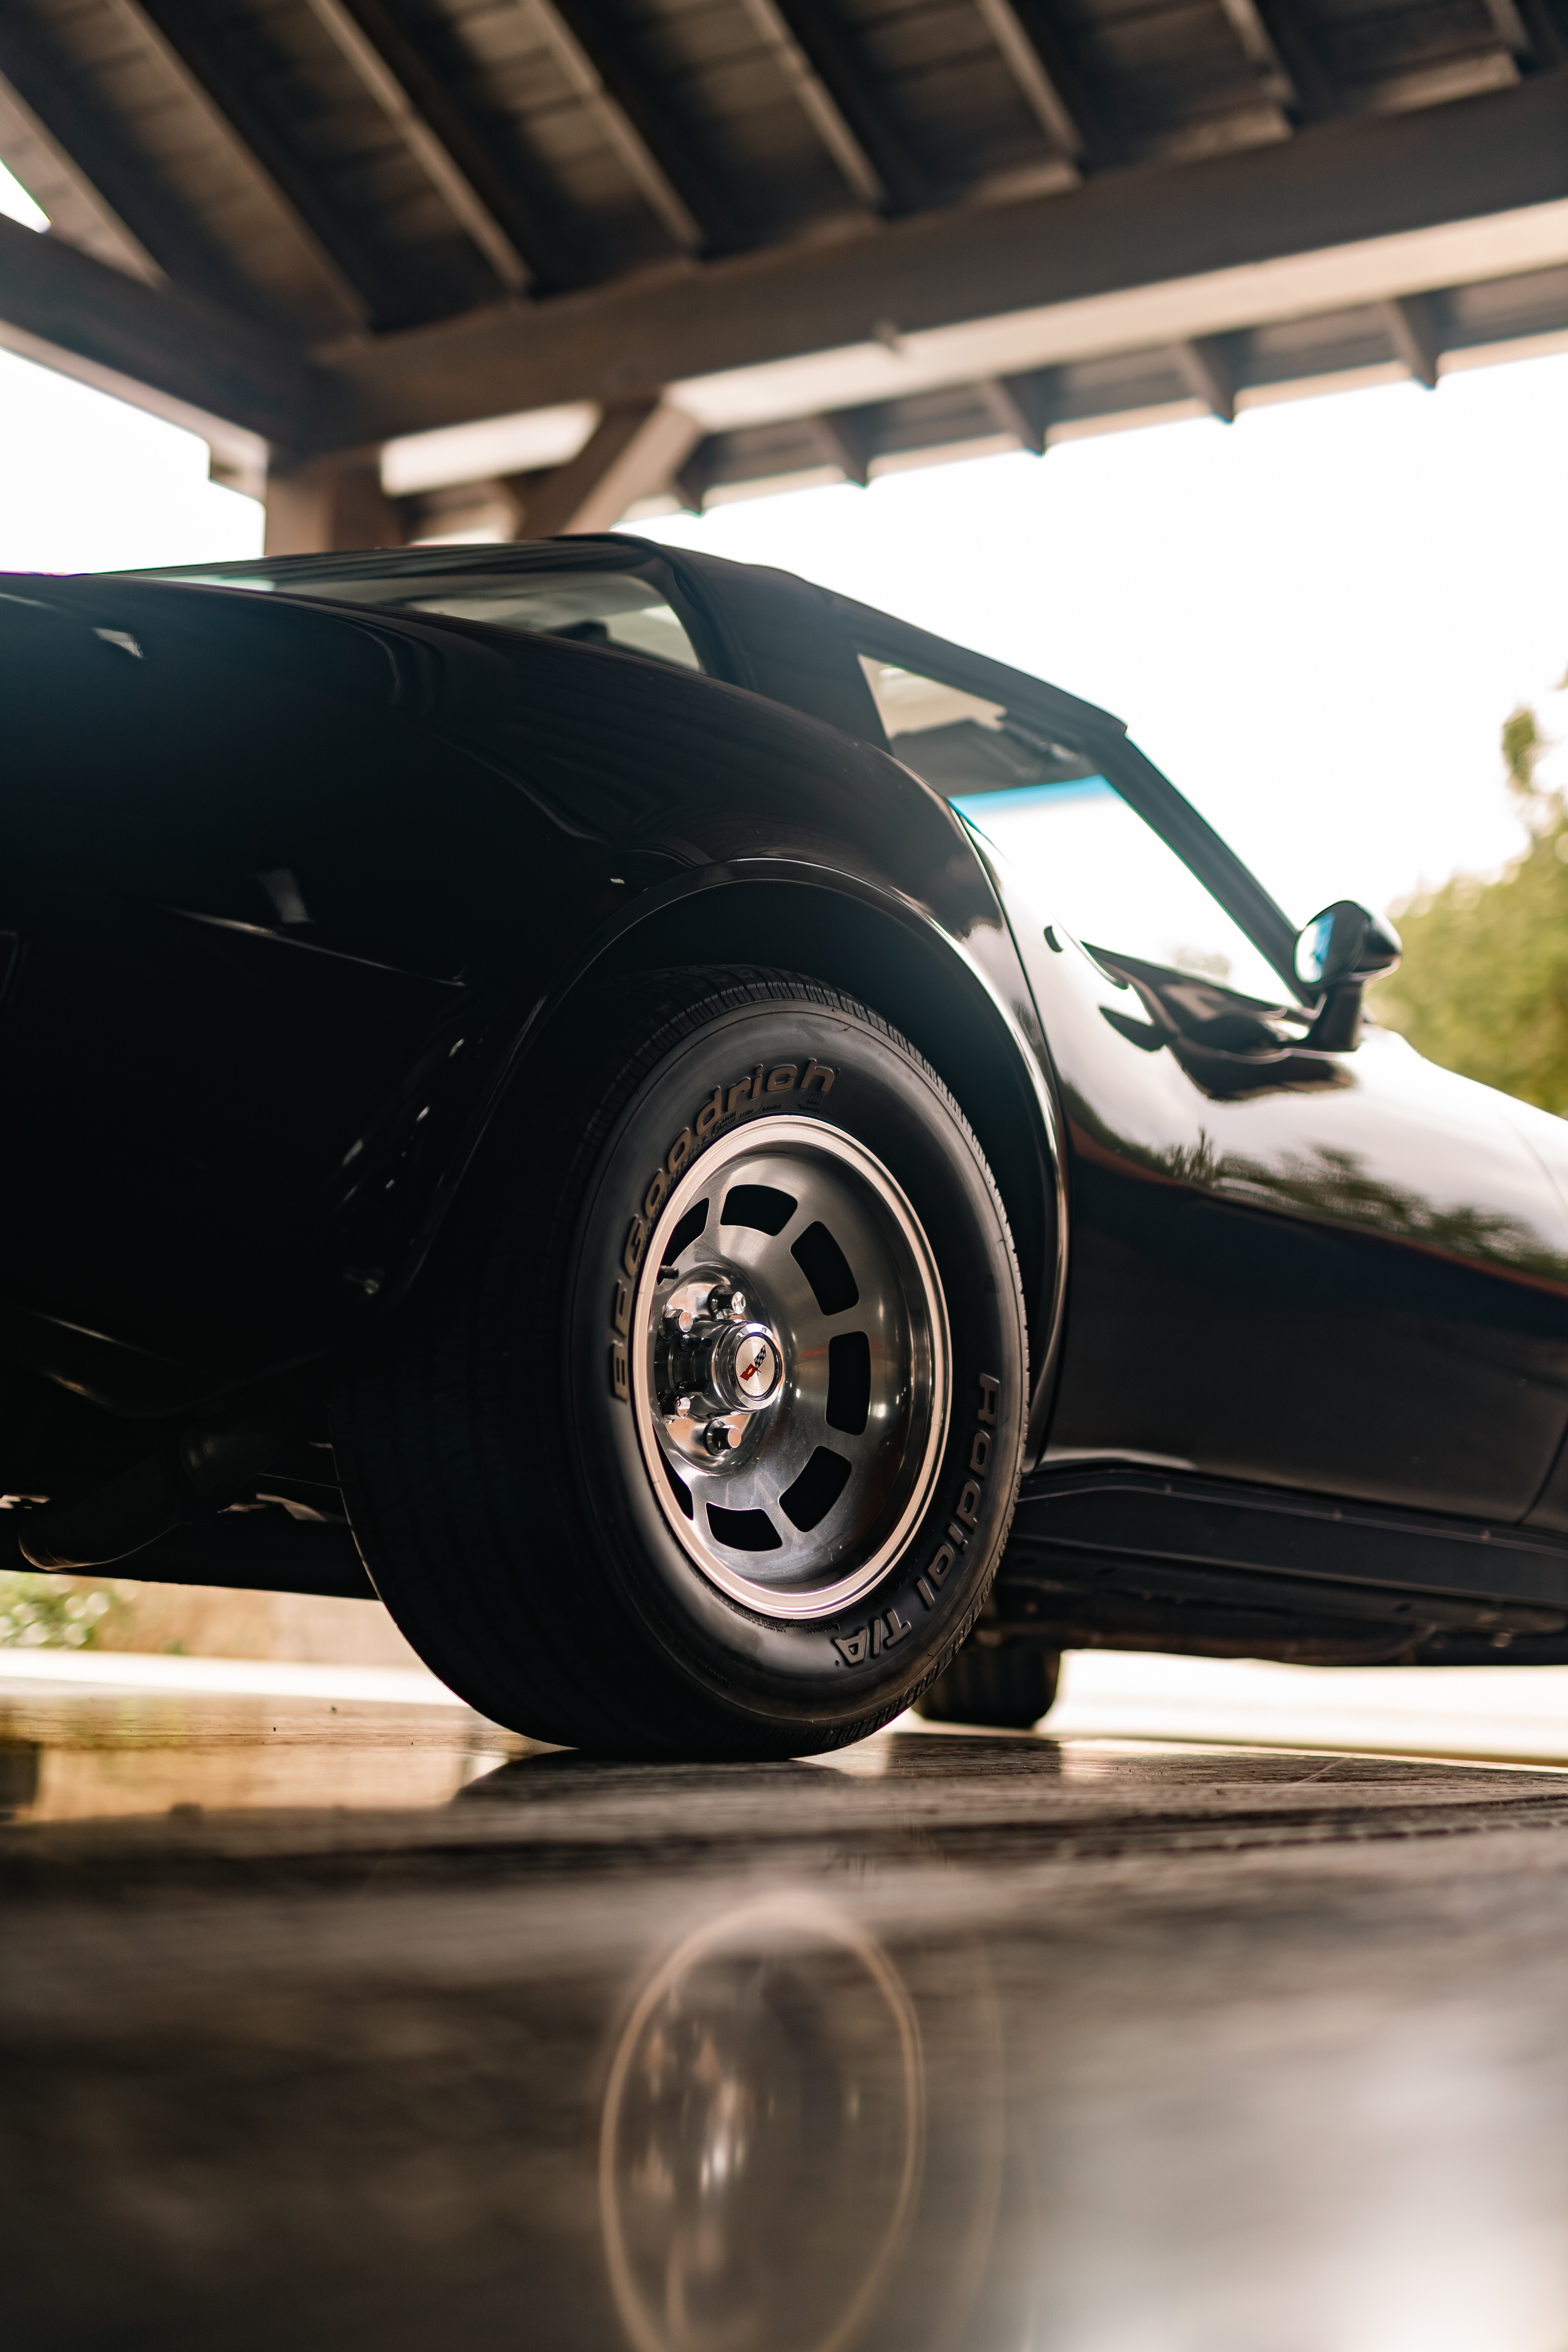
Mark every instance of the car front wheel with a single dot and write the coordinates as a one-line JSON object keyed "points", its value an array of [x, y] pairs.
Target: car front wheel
{"points": [[702, 1435]]}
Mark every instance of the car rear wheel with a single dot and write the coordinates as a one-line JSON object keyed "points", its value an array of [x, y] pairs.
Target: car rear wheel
{"points": [[1002, 1687], [703, 1435]]}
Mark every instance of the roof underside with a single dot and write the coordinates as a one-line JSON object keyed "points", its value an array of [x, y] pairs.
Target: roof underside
{"points": [[332, 222]]}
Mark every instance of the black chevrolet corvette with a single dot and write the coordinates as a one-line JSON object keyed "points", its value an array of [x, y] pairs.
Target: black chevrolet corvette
{"points": [[745, 1165]]}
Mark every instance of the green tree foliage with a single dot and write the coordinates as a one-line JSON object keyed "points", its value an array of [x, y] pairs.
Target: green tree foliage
{"points": [[47, 1612], [1483, 987]]}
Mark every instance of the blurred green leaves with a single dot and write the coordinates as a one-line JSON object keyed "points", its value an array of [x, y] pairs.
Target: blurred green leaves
{"points": [[44, 1612], [1483, 987]]}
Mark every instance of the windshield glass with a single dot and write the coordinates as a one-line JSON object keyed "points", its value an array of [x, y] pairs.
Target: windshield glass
{"points": [[591, 607], [1083, 858]]}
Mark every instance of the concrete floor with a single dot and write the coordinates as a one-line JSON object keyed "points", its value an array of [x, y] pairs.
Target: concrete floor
{"points": [[347, 2021]]}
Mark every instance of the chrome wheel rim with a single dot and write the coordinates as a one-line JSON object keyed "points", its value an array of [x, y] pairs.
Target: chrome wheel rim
{"points": [[790, 1366]]}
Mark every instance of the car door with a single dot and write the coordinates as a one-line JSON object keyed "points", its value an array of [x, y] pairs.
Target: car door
{"points": [[1344, 1271]]}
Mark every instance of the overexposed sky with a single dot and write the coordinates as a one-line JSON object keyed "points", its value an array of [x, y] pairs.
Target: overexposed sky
{"points": [[1316, 619], [89, 484]]}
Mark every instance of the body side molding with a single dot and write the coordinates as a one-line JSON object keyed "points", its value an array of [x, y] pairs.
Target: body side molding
{"points": [[1143, 1534]]}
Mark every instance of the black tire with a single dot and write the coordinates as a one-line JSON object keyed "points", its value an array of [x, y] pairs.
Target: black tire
{"points": [[514, 1469], [1005, 1687]]}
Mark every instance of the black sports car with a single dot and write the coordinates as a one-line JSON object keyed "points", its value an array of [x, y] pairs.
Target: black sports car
{"points": [[746, 1165]]}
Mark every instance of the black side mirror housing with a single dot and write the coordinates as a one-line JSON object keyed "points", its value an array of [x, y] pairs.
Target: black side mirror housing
{"points": [[1339, 951]]}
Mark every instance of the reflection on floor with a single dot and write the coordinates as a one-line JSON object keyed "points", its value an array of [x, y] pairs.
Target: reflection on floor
{"points": [[1506, 1713], [325, 2022]]}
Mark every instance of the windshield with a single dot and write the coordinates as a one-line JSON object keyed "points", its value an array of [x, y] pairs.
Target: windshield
{"points": [[1085, 860], [1082, 857], [618, 609]]}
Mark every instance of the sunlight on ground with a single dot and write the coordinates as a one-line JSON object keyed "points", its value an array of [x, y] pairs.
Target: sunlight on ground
{"points": [[1503, 1715]]}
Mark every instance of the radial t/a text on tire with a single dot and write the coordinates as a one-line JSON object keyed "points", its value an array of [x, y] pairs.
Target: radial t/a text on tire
{"points": [[703, 1435]]}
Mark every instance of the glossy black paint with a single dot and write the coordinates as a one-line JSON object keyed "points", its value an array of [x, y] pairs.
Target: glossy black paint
{"points": [[1350, 1280], [242, 1129], [300, 886]]}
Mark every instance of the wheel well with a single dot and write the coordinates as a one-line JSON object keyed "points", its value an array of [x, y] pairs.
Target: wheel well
{"points": [[923, 989]]}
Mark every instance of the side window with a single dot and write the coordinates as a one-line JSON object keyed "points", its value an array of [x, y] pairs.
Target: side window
{"points": [[956, 742], [622, 609], [596, 608], [1081, 856]]}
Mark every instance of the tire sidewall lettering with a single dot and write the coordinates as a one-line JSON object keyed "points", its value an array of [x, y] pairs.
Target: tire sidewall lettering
{"points": [[886, 1631], [746, 1096], [876, 1098]]}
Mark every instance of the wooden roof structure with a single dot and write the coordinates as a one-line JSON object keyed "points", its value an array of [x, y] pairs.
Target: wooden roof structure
{"points": [[688, 246]]}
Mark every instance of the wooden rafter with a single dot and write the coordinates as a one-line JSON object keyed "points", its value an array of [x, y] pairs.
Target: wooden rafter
{"points": [[431, 151]]}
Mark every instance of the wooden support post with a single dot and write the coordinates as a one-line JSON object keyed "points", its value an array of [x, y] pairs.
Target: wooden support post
{"points": [[332, 505], [634, 452]]}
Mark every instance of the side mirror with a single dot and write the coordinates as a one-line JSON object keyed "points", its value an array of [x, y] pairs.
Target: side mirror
{"points": [[1343, 943], [1339, 951]]}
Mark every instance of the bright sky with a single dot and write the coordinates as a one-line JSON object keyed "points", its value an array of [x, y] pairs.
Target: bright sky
{"points": [[1315, 620]]}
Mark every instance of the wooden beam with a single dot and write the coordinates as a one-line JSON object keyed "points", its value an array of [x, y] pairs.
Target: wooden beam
{"points": [[1122, 235], [78, 211], [453, 180], [1259, 48], [1546, 27], [1412, 329], [615, 122], [78, 313], [1042, 93], [1020, 408], [634, 452], [1333, 186], [1083, 138], [217, 58], [692, 481], [329, 506], [844, 439], [658, 108], [1208, 373], [1509, 28], [796, 35], [343, 306], [164, 229], [1278, 30]]}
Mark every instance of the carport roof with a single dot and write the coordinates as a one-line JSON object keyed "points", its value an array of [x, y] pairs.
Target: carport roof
{"points": [[330, 223]]}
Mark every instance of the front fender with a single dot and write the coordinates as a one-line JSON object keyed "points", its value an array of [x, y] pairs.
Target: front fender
{"points": [[961, 998]]}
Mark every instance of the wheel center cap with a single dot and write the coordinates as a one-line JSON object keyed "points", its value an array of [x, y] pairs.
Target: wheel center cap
{"points": [[747, 1368], [715, 1361]]}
